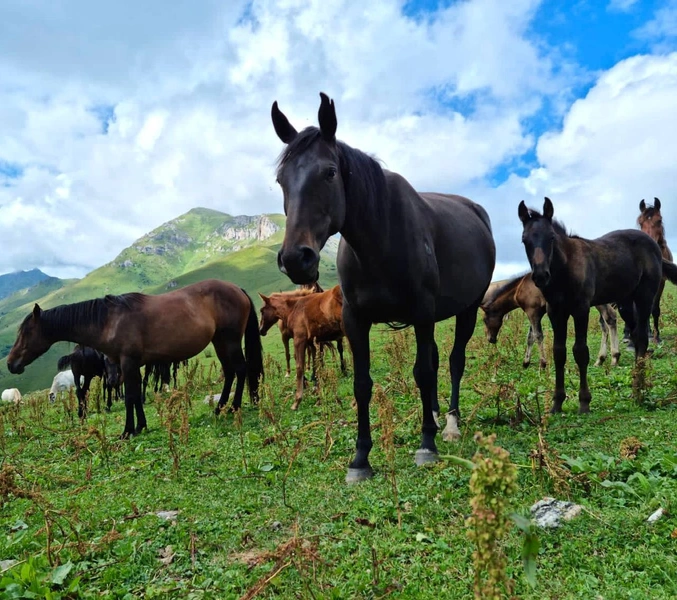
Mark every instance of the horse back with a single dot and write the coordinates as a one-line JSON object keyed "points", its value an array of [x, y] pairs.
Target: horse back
{"points": [[610, 268], [318, 316]]}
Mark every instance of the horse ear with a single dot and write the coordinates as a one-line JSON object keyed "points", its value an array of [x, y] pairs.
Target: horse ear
{"points": [[264, 298], [327, 118], [548, 209], [36, 311], [523, 212], [656, 203], [284, 129], [642, 205]]}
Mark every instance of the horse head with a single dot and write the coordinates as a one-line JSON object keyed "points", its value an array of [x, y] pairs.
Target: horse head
{"points": [[538, 237], [30, 343], [309, 173]]}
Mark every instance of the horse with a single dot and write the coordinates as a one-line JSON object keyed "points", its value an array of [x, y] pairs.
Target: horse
{"points": [[63, 381], [650, 221], [276, 309], [161, 374], [315, 318], [136, 329], [86, 363], [622, 267], [112, 382], [521, 292], [11, 395], [404, 258]]}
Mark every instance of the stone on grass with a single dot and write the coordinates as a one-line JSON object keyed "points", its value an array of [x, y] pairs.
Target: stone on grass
{"points": [[550, 512]]}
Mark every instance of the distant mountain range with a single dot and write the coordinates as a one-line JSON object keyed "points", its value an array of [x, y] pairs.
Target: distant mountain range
{"points": [[200, 244]]}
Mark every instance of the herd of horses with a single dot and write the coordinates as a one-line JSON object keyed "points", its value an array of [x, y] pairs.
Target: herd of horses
{"points": [[405, 259]]}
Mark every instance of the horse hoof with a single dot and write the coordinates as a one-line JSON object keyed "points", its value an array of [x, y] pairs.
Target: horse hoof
{"points": [[583, 409], [543, 365], [451, 436], [357, 475], [424, 457], [525, 364], [286, 374], [295, 406], [125, 435]]}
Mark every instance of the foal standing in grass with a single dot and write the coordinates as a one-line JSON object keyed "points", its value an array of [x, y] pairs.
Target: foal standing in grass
{"points": [[624, 267]]}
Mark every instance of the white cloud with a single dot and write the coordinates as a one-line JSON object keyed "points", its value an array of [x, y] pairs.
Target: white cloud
{"points": [[191, 84], [615, 148], [621, 5]]}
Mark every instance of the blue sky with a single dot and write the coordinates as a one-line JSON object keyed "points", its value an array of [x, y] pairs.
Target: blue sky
{"points": [[113, 122]]}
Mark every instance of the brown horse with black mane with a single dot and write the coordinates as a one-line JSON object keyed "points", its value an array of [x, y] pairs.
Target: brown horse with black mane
{"points": [[521, 292], [622, 267], [650, 221], [137, 329]]}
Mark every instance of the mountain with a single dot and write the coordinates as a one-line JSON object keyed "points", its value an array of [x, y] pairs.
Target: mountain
{"points": [[200, 244], [19, 280]]}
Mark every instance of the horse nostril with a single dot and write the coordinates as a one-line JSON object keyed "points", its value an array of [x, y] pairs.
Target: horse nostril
{"points": [[309, 257], [280, 264]]}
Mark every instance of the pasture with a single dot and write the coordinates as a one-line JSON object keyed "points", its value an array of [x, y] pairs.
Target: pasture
{"points": [[255, 505]]}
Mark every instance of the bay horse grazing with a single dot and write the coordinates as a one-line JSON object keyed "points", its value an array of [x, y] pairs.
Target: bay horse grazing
{"points": [[404, 257], [521, 292], [315, 318], [86, 363], [136, 329], [624, 267], [650, 221]]}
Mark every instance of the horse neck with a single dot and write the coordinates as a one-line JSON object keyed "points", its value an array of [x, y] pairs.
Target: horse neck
{"points": [[504, 302], [85, 334]]}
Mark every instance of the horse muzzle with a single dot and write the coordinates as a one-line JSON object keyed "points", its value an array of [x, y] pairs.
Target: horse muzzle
{"points": [[15, 367], [541, 278], [300, 264]]}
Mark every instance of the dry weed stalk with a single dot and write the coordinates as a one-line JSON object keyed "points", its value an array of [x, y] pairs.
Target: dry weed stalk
{"points": [[387, 416], [398, 350], [546, 458]]}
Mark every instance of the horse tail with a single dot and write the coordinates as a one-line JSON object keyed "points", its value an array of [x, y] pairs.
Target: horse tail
{"points": [[253, 352], [64, 362], [670, 271]]}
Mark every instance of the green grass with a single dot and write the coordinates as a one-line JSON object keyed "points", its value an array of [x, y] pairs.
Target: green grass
{"points": [[263, 506]]}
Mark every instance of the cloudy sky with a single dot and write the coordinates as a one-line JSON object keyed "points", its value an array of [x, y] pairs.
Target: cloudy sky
{"points": [[115, 118]]}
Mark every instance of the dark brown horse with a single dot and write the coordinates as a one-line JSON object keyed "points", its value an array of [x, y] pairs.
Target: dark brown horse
{"points": [[137, 329], [622, 267], [650, 221], [404, 257], [521, 292]]}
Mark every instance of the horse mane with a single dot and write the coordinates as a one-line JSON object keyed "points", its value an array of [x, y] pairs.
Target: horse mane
{"points": [[363, 177], [506, 287], [87, 312], [557, 225]]}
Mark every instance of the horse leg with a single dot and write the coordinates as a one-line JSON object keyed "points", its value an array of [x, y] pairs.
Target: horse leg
{"points": [[465, 325], [426, 379], [644, 302], [339, 347], [612, 325], [656, 312], [300, 349], [229, 353], [132, 375], [357, 331], [582, 358], [559, 320], [530, 342], [601, 357], [285, 343]]}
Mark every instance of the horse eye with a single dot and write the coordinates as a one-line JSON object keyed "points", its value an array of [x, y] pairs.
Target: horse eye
{"points": [[331, 172]]}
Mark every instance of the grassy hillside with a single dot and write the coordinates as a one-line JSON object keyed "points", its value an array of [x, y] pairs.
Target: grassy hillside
{"points": [[199, 245]]}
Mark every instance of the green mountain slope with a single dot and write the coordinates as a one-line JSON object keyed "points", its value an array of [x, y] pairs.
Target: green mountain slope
{"points": [[198, 245], [19, 280]]}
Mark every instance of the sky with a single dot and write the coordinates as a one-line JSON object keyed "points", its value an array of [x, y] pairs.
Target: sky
{"points": [[115, 118]]}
